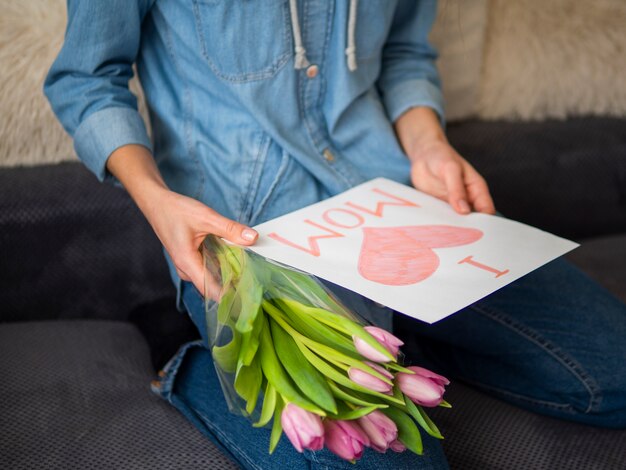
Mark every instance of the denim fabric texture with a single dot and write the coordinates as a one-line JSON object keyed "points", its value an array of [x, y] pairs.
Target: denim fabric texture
{"points": [[234, 124], [551, 342]]}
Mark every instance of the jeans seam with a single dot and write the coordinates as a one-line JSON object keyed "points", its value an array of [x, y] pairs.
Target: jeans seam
{"points": [[233, 445], [570, 364]]}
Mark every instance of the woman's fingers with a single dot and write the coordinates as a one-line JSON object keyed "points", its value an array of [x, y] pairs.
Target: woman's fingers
{"points": [[451, 178], [230, 230], [478, 191], [182, 223], [190, 267], [455, 186]]}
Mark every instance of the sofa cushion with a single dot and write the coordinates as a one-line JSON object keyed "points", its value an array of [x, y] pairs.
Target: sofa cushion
{"points": [[567, 177], [75, 395], [604, 259], [73, 248], [483, 433]]}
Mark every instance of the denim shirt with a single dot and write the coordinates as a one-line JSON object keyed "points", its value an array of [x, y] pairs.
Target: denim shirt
{"points": [[234, 123]]}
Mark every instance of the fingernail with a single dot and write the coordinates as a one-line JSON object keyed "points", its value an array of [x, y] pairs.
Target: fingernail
{"points": [[248, 234], [465, 208]]}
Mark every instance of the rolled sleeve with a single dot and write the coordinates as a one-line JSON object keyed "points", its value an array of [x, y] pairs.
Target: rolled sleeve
{"points": [[410, 94], [409, 77], [87, 85], [105, 131]]}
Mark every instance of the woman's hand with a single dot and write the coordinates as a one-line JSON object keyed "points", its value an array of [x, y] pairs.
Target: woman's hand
{"points": [[180, 222], [436, 168]]}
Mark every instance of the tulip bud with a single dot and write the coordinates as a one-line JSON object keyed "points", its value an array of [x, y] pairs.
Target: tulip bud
{"points": [[424, 387], [345, 439], [380, 369], [303, 429], [397, 446], [386, 339], [440, 379], [380, 429], [368, 380]]}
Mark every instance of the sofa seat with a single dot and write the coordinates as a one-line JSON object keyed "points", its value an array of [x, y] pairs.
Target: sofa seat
{"points": [[88, 312], [76, 395], [604, 259], [482, 433]]}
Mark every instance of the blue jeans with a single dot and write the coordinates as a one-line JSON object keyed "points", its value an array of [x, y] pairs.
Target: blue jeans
{"points": [[553, 342]]}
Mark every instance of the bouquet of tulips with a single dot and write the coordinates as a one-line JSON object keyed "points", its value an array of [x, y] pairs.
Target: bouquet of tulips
{"points": [[288, 352]]}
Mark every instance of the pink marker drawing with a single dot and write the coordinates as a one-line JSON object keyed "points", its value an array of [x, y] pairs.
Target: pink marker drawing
{"points": [[398, 256]]}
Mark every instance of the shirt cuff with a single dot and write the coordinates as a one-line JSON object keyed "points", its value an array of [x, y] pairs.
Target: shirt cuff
{"points": [[413, 93], [105, 131]]}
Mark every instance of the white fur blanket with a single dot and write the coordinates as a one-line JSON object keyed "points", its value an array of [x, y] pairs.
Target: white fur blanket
{"points": [[522, 59]]}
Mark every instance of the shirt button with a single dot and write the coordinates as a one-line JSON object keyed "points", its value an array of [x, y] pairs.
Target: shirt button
{"points": [[328, 155], [312, 71]]}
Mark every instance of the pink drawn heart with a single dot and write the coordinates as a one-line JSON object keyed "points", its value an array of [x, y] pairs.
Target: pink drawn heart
{"points": [[399, 256]]}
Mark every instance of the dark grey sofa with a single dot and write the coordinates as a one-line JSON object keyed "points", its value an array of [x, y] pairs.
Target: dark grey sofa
{"points": [[87, 310]]}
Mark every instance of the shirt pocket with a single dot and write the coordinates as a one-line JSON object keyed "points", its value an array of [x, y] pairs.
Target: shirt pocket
{"points": [[244, 41]]}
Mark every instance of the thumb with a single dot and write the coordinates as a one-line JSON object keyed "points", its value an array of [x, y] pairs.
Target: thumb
{"points": [[232, 231]]}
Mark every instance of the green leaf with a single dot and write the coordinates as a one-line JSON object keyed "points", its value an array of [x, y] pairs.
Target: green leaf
{"points": [[269, 404], [336, 376], [306, 377], [445, 404], [250, 342], [276, 375], [350, 398], [248, 384], [213, 247], [398, 368], [225, 314], [250, 293], [317, 331], [226, 356], [277, 427], [422, 418], [408, 433], [340, 323], [235, 256], [341, 360], [350, 414]]}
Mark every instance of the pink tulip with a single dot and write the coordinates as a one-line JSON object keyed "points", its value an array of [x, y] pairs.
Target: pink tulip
{"points": [[381, 430], [440, 379], [397, 446], [304, 429], [368, 380], [380, 369], [345, 439], [424, 387], [386, 339]]}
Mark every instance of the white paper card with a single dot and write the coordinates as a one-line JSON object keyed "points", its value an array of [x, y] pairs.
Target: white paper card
{"points": [[407, 250]]}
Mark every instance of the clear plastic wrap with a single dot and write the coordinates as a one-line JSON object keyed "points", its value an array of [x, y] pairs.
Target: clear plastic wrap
{"points": [[286, 349]]}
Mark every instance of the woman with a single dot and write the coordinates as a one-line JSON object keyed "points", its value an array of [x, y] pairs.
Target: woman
{"points": [[262, 107]]}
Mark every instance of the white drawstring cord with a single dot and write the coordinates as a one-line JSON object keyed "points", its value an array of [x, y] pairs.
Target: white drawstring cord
{"points": [[301, 61], [351, 49]]}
